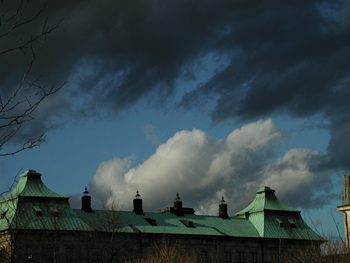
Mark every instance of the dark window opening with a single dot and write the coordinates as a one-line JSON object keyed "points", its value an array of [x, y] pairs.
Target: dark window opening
{"points": [[49, 253], [187, 223], [55, 212], [73, 254], [292, 223], [204, 256], [3, 214], [96, 256], [38, 211], [240, 257], [151, 221], [227, 257], [280, 222], [254, 257]]}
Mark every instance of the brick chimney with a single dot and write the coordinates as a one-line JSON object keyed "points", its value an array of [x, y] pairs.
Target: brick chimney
{"points": [[223, 209], [86, 201], [138, 204]]}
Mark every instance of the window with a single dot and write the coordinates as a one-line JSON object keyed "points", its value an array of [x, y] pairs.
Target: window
{"points": [[240, 257], [72, 254], [204, 256], [151, 221], [275, 257], [292, 222], [38, 211], [280, 222], [254, 257], [114, 254], [49, 253], [227, 257], [96, 256], [69, 253], [187, 223], [54, 211], [3, 214]]}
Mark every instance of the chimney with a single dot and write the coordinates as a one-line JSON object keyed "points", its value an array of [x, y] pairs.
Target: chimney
{"points": [[86, 201], [178, 205], [138, 204], [223, 209]]}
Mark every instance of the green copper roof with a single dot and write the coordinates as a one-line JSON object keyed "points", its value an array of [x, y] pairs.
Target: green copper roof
{"points": [[57, 216], [7, 213], [20, 207], [273, 219], [167, 223], [265, 199], [288, 227], [31, 185], [32, 205]]}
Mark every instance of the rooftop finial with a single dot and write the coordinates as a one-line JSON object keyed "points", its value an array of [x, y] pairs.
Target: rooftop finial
{"points": [[137, 194], [222, 200], [177, 197], [86, 192]]}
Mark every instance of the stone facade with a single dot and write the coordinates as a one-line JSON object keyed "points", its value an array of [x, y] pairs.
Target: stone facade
{"points": [[61, 247]]}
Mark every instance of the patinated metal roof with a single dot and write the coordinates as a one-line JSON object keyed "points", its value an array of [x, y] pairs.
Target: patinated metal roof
{"points": [[23, 207], [31, 185], [265, 199], [273, 219], [32, 205], [167, 223]]}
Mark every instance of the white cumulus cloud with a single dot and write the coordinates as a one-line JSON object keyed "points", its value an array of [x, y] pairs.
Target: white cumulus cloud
{"points": [[202, 169]]}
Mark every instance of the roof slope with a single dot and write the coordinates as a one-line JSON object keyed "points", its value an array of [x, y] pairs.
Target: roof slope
{"points": [[273, 219], [167, 223]]}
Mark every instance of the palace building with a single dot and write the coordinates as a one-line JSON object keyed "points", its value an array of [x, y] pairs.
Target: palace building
{"points": [[38, 225]]}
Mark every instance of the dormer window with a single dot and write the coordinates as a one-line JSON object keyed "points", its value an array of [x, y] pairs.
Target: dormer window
{"points": [[187, 223], [280, 222], [38, 211], [292, 223], [3, 214], [151, 221], [54, 211]]}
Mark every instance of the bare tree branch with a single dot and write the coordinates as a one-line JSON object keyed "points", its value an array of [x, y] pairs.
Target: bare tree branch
{"points": [[18, 104]]}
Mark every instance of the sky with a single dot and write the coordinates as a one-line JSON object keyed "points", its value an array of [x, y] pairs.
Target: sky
{"points": [[208, 99]]}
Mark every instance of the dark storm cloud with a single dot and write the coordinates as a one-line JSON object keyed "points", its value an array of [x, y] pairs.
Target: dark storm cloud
{"points": [[285, 55], [289, 58], [339, 143]]}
